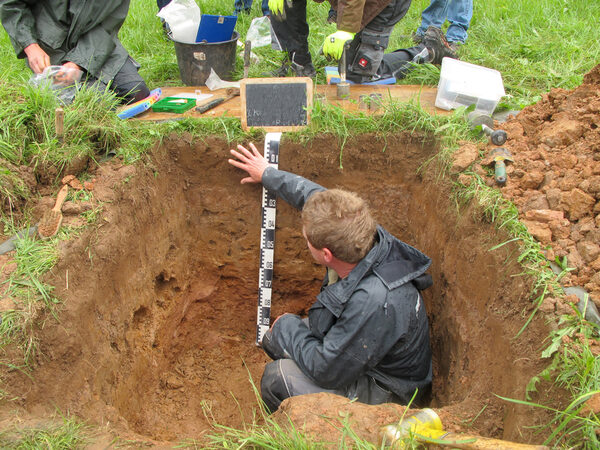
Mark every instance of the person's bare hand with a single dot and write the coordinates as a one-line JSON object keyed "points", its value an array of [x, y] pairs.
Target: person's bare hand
{"points": [[38, 59], [252, 162], [71, 73]]}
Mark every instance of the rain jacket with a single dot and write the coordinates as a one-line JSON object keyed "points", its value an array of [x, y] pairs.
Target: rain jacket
{"points": [[354, 15], [79, 31], [373, 322]]}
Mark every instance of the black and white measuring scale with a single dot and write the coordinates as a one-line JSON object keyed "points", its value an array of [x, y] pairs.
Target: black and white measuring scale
{"points": [[267, 242]]}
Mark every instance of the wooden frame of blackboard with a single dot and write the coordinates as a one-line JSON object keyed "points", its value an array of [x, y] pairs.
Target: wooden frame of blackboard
{"points": [[254, 116]]}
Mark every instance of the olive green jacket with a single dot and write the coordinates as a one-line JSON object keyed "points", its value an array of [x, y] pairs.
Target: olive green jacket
{"points": [[80, 31]]}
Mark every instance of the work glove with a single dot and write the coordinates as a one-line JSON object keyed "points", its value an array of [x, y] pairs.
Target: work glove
{"points": [[333, 46], [277, 8]]}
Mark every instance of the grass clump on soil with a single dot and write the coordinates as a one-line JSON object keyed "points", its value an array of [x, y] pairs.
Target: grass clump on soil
{"points": [[536, 45], [29, 295], [70, 434]]}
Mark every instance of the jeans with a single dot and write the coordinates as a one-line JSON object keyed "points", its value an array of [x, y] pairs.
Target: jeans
{"points": [[247, 4], [458, 13]]}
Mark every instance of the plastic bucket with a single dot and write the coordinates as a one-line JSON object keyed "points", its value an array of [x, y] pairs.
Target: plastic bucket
{"points": [[196, 60]]}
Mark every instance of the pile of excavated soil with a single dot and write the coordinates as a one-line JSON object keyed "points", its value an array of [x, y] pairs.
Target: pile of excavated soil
{"points": [[555, 178], [156, 334]]}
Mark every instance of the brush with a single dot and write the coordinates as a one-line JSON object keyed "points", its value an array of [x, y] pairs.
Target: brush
{"points": [[50, 222]]}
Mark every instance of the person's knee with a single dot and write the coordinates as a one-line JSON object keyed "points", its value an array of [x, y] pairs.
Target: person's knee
{"points": [[132, 92], [272, 386]]}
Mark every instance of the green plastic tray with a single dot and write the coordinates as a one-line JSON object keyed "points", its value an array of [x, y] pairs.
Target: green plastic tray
{"points": [[174, 105]]}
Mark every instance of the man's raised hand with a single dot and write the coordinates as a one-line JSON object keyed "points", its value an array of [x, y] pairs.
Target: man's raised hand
{"points": [[251, 161]]}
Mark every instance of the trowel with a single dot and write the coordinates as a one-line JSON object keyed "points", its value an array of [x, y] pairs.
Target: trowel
{"points": [[500, 156]]}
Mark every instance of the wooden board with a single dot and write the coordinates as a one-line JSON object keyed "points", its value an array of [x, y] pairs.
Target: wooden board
{"points": [[276, 104], [423, 95]]}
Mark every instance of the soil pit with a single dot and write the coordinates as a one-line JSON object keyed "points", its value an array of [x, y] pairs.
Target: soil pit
{"points": [[157, 334]]}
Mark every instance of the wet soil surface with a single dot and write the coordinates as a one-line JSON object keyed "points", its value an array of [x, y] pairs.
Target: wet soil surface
{"points": [[156, 335]]}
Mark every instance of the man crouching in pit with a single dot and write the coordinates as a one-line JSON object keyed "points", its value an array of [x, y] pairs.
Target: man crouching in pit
{"points": [[367, 334]]}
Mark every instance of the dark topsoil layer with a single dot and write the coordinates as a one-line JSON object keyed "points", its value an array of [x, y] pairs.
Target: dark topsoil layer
{"points": [[156, 337]]}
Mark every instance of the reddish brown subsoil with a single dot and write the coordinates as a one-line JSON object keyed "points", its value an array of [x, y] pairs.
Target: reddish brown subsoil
{"points": [[157, 333], [555, 178], [156, 336]]}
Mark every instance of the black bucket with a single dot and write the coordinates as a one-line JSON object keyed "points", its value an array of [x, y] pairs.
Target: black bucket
{"points": [[196, 60]]}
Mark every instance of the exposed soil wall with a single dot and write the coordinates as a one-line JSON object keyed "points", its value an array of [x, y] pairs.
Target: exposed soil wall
{"points": [[157, 332]]}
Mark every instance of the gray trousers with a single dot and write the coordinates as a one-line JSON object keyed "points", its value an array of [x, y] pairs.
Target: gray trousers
{"points": [[127, 84], [283, 378]]}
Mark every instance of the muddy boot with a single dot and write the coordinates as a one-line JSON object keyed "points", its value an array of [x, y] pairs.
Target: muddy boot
{"points": [[435, 41], [307, 70], [281, 71]]}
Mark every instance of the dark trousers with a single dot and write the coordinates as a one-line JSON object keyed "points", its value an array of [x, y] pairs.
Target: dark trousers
{"points": [[283, 379], [399, 62], [127, 84], [292, 32], [366, 49]]}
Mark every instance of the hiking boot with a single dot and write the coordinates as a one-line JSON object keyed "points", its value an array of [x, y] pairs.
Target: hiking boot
{"points": [[307, 70], [435, 41], [281, 71], [455, 46]]}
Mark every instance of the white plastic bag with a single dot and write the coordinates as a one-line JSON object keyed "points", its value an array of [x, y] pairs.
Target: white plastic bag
{"points": [[259, 32], [214, 82], [60, 79], [183, 19]]}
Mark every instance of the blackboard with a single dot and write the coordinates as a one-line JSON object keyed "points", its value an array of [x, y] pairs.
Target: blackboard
{"points": [[276, 104]]}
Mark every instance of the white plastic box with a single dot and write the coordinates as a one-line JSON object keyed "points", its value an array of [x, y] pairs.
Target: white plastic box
{"points": [[465, 84]]}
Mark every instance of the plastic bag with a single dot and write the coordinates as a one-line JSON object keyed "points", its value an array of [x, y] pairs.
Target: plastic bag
{"points": [[259, 32], [215, 82], [183, 19], [60, 79]]}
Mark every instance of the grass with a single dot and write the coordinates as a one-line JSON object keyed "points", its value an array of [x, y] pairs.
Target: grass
{"points": [[65, 435], [537, 45]]}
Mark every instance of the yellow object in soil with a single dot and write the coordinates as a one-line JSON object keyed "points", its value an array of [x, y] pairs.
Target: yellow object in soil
{"points": [[426, 427]]}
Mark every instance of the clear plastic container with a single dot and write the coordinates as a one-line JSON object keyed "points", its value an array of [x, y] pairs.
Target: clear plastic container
{"points": [[465, 84]]}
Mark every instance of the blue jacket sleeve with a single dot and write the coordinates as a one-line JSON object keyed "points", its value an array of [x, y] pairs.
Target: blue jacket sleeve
{"points": [[294, 189]]}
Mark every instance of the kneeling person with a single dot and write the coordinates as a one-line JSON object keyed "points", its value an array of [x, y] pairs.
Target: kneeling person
{"points": [[367, 334], [78, 34]]}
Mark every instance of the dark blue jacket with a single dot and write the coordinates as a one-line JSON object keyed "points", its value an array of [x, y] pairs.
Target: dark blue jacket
{"points": [[373, 322]]}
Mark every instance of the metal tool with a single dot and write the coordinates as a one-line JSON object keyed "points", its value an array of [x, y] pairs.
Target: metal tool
{"points": [[267, 242], [10, 244], [498, 137], [230, 93], [500, 156], [343, 87], [247, 50]]}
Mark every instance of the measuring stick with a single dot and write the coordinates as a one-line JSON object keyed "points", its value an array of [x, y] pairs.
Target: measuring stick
{"points": [[267, 242]]}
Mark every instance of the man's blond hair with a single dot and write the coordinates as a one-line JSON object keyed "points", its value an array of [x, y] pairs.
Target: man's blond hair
{"points": [[340, 221]]}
